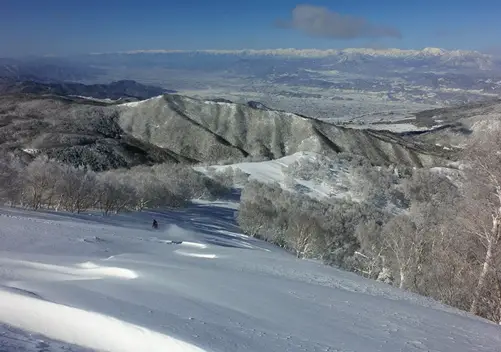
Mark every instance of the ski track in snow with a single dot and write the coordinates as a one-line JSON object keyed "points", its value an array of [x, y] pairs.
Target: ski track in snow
{"points": [[87, 282]]}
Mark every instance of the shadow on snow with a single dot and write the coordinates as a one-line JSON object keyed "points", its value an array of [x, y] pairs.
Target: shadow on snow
{"points": [[214, 223]]}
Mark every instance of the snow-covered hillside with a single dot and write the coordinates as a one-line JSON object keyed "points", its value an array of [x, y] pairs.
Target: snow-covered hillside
{"points": [[393, 127], [224, 130], [87, 282], [276, 171]]}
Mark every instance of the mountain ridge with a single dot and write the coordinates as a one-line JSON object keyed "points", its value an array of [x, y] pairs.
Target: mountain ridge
{"points": [[116, 90], [180, 129], [245, 131], [395, 52], [76, 131]]}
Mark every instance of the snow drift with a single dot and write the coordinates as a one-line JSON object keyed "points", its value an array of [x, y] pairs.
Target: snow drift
{"points": [[219, 291], [83, 328]]}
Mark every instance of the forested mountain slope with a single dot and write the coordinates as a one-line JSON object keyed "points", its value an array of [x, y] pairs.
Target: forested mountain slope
{"points": [[180, 129], [215, 130]]}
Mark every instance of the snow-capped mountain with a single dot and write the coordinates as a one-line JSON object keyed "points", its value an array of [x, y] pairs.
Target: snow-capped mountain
{"points": [[455, 57], [392, 52]]}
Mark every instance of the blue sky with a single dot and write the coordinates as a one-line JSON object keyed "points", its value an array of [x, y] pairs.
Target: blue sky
{"points": [[71, 26]]}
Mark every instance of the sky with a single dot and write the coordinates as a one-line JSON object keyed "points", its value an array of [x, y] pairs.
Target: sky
{"points": [[54, 27]]}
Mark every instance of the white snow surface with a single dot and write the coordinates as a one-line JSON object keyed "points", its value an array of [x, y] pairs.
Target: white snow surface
{"points": [[140, 102], [81, 327], [393, 127], [105, 100], [271, 171], [88, 282]]}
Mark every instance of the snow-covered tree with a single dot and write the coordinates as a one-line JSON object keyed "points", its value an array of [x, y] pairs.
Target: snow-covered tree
{"points": [[482, 210]]}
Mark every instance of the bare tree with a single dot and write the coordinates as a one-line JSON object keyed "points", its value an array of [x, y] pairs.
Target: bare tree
{"points": [[482, 205], [339, 220], [497, 284], [11, 180], [402, 239], [251, 218], [40, 182], [302, 235], [370, 258], [113, 195], [78, 189]]}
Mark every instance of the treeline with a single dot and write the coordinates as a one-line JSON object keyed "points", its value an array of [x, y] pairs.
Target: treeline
{"points": [[436, 232], [48, 184], [379, 186], [302, 225]]}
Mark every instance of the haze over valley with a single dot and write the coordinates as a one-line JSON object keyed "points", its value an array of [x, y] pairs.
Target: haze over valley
{"points": [[350, 84]]}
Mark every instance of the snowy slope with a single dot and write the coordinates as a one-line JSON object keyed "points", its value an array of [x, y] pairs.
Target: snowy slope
{"points": [[80, 283], [273, 171], [393, 127], [140, 102]]}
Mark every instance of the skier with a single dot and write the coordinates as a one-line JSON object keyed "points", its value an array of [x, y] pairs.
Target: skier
{"points": [[155, 224]]}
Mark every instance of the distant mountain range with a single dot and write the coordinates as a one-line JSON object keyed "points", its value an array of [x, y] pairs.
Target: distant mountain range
{"points": [[91, 125], [327, 84], [435, 56], [426, 52], [46, 69], [120, 90]]}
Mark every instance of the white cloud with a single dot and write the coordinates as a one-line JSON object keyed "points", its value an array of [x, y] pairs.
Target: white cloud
{"points": [[321, 22]]}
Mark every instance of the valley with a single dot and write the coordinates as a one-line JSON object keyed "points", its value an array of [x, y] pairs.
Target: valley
{"points": [[336, 85]]}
